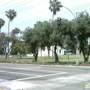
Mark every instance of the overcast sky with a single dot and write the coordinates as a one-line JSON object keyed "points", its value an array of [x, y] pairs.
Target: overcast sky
{"points": [[31, 11]]}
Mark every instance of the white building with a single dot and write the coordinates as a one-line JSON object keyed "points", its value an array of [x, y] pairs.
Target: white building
{"points": [[60, 51]]}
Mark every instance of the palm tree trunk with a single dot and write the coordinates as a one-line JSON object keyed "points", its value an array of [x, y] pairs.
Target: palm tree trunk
{"points": [[53, 27], [52, 17], [0, 30], [8, 37]]}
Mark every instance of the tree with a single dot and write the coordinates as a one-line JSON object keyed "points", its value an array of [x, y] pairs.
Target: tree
{"points": [[20, 48], [56, 39], [55, 6], [11, 14], [45, 33], [16, 31], [38, 37], [14, 36], [68, 35], [32, 40], [82, 30], [3, 43], [2, 22], [2, 37]]}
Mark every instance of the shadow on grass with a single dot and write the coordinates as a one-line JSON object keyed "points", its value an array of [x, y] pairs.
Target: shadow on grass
{"points": [[26, 58], [62, 63], [58, 63], [41, 62]]}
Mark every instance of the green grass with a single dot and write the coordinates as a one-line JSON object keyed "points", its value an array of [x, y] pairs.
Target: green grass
{"points": [[63, 60]]}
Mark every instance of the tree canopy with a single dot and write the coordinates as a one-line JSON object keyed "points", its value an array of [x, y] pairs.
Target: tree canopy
{"points": [[2, 22]]}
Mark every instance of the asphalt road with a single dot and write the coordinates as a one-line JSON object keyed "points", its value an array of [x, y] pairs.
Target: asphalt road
{"points": [[43, 77]]}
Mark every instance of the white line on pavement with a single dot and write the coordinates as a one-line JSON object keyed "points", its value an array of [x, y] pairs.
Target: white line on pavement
{"points": [[15, 68], [16, 73], [40, 76], [31, 69]]}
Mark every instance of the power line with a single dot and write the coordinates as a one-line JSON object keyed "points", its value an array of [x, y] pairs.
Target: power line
{"points": [[73, 7], [33, 6], [14, 5], [22, 3], [27, 7], [6, 3], [63, 12]]}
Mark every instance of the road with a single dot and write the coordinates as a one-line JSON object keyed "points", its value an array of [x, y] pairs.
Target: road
{"points": [[43, 77]]}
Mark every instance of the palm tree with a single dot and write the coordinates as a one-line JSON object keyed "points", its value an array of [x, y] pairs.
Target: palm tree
{"points": [[11, 14], [16, 31], [55, 6], [2, 22], [14, 35]]}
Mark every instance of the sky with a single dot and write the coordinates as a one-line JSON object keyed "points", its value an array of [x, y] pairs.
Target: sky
{"points": [[31, 11]]}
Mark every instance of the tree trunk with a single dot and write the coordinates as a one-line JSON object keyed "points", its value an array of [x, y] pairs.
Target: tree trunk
{"points": [[20, 56], [48, 51], [55, 53], [36, 55], [85, 59], [6, 55], [2, 51], [86, 56], [68, 57]]}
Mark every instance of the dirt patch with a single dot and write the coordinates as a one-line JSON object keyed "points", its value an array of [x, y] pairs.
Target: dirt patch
{"points": [[85, 64]]}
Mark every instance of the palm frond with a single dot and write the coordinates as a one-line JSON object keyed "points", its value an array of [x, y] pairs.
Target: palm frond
{"points": [[55, 6], [11, 14]]}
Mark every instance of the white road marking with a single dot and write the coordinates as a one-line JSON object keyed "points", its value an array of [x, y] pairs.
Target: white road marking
{"points": [[60, 82], [16, 85], [31, 69], [88, 85], [16, 73], [47, 84], [77, 77], [18, 68], [39, 76]]}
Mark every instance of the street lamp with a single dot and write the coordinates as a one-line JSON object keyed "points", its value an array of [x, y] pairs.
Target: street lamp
{"points": [[77, 63], [68, 10]]}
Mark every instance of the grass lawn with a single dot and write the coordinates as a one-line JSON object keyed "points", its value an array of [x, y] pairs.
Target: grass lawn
{"points": [[63, 60]]}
